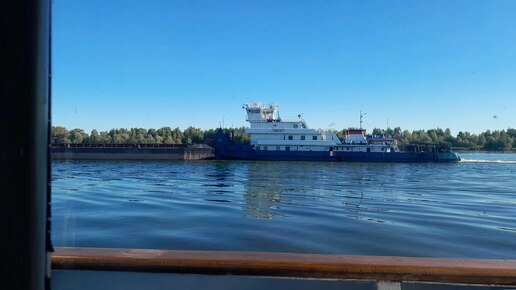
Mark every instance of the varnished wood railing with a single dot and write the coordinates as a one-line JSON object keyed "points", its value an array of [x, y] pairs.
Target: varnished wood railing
{"points": [[464, 271]]}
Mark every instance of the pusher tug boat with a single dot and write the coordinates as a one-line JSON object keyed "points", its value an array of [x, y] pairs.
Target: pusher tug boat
{"points": [[272, 138]]}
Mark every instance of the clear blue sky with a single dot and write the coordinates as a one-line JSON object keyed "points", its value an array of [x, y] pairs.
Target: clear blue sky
{"points": [[420, 64]]}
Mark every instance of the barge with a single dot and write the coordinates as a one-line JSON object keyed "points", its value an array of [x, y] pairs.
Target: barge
{"points": [[131, 152]]}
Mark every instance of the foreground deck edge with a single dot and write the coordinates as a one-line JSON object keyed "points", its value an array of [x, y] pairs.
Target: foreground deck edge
{"points": [[406, 269]]}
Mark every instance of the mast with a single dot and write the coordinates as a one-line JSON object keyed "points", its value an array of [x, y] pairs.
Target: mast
{"points": [[361, 115]]}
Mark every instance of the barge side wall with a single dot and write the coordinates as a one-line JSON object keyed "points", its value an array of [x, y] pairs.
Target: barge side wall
{"points": [[180, 153]]}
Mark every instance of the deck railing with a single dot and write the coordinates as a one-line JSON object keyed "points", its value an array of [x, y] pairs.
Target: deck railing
{"points": [[390, 270]]}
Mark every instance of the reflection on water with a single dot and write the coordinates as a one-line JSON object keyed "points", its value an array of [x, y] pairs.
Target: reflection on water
{"points": [[437, 210], [219, 181], [262, 194]]}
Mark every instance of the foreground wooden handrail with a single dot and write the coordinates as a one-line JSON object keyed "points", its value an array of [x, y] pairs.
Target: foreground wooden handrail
{"points": [[466, 271]]}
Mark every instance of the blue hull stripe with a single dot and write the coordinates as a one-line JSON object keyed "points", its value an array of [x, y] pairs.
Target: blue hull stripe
{"points": [[247, 153]]}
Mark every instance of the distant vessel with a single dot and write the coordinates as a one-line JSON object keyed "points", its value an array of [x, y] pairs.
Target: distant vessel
{"points": [[272, 138]]}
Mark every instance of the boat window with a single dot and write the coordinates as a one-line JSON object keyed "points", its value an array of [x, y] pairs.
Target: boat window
{"points": [[295, 126], [278, 148], [302, 137], [314, 137], [290, 137], [287, 148]]}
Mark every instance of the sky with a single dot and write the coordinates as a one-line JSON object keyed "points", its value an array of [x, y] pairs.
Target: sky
{"points": [[413, 64]]}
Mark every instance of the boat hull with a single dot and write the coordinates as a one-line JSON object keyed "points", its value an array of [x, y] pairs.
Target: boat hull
{"points": [[224, 149], [247, 153]]}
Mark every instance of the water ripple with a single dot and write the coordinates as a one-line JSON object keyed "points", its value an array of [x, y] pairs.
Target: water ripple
{"points": [[464, 209]]}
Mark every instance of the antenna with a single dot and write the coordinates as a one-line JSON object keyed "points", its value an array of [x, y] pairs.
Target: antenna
{"points": [[361, 115]]}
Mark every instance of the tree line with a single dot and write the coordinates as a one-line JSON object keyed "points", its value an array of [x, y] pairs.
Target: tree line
{"points": [[488, 140], [165, 135]]}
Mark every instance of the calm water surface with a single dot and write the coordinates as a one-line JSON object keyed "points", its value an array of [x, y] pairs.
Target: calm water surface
{"points": [[467, 209]]}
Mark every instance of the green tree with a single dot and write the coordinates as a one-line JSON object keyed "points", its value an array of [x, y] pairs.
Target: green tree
{"points": [[104, 137], [137, 136], [94, 137], [481, 140], [433, 135], [491, 143], [177, 136], [504, 141], [158, 139], [119, 136], [78, 136], [239, 135], [377, 131], [59, 135], [511, 132], [193, 135], [153, 133], [166, 135]]}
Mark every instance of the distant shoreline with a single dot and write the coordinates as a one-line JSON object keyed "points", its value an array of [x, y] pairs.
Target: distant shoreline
{"points": [[482, 150], [495, 141]]}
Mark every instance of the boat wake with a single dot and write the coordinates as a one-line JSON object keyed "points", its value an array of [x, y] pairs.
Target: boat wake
{"points": [[488, 161]]}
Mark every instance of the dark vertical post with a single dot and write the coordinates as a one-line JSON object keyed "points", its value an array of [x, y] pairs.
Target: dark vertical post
{"points": [[24, 163]]}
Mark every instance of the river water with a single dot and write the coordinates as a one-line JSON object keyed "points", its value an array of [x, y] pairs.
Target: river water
{"points": [[465, 209]]}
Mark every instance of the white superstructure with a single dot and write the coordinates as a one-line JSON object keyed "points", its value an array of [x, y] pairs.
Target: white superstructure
{"points": [[268, 131]]}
